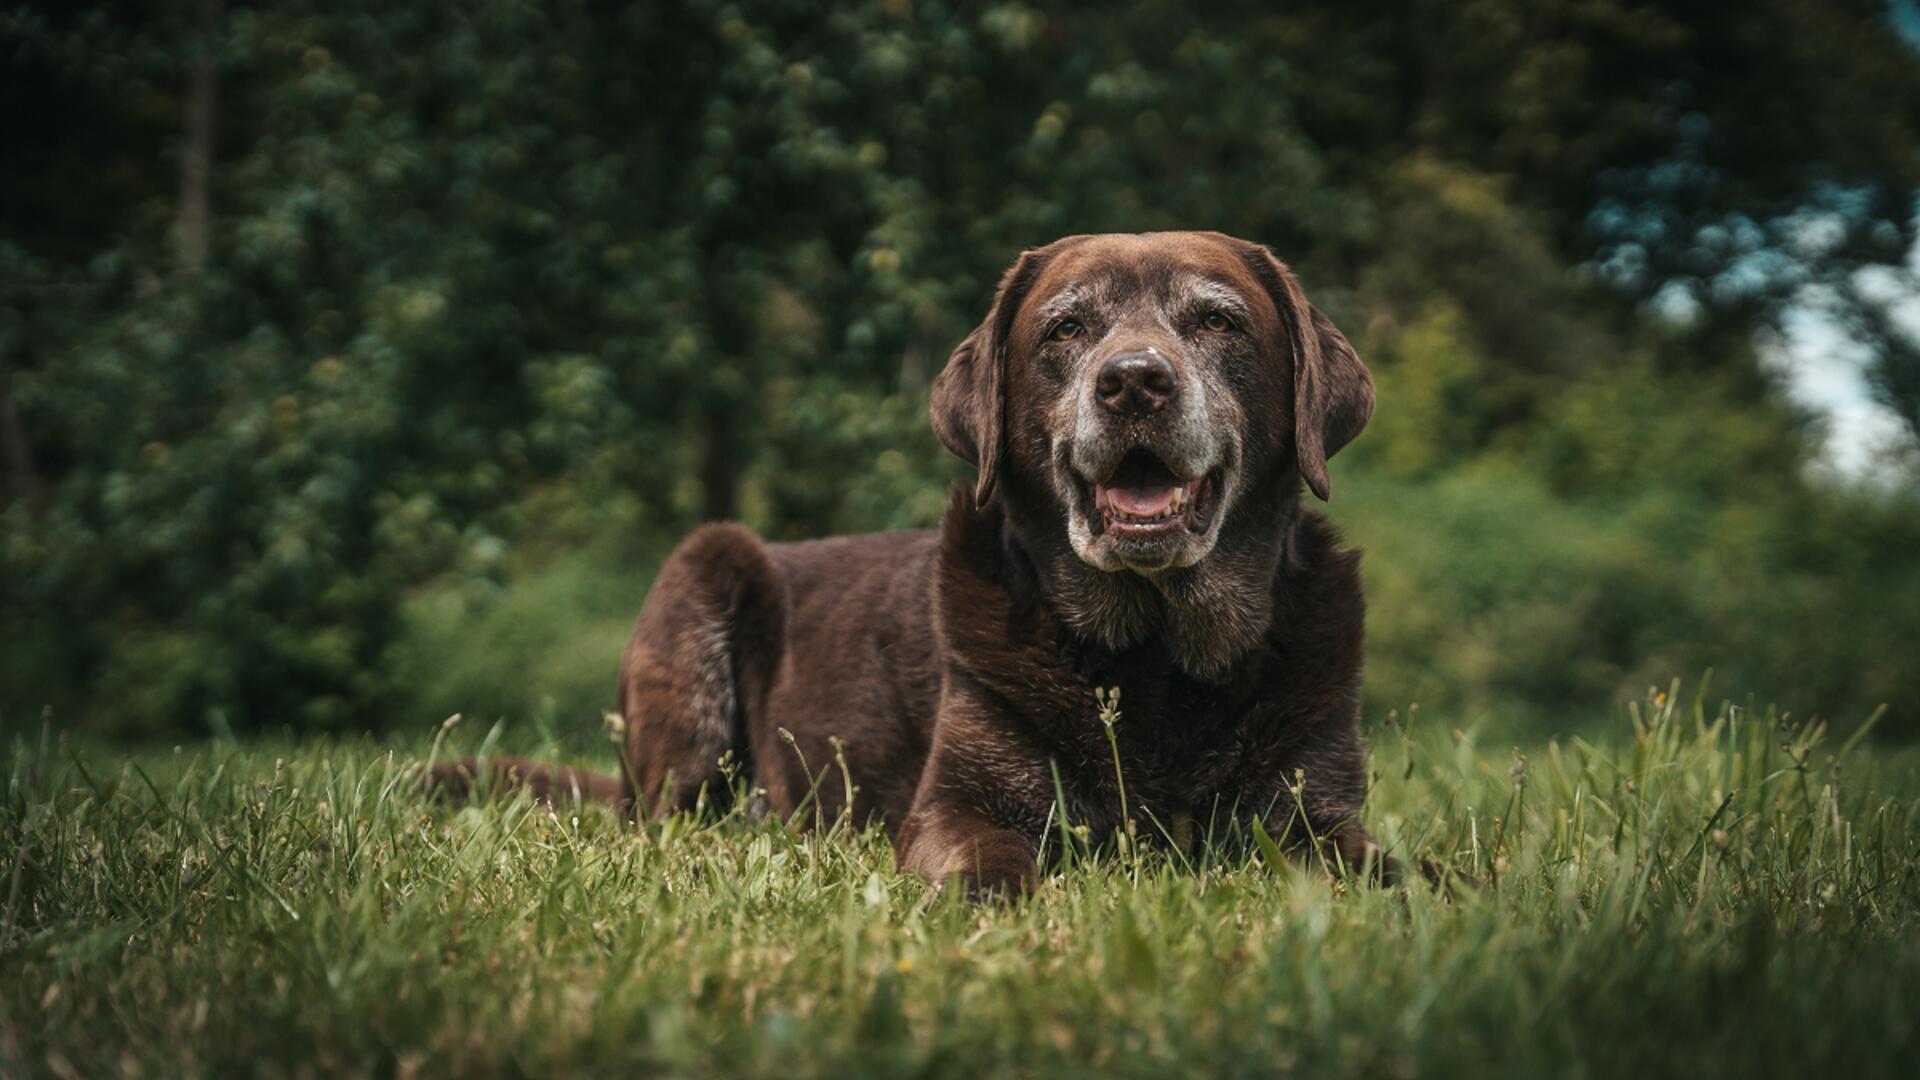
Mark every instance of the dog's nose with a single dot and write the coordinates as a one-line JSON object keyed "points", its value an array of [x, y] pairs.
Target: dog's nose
{"points": [[1136, 383]]}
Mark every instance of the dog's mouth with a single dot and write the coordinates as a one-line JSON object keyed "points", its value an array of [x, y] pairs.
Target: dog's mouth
{"points": [[1143, 498]]}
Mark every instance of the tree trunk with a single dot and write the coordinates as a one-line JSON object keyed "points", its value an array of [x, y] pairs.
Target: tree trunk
{"points": [[720, 461], [22, 481], [196, 151]]}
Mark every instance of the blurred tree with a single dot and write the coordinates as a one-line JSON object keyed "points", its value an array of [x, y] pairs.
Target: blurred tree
{"points": [[474, 277], [197, 142]]}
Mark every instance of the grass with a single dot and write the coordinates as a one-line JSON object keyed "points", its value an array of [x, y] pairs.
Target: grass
{"points": [[1693, 894]]}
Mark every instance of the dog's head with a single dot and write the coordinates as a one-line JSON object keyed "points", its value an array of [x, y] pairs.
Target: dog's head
{"points": [[1143, 385]]}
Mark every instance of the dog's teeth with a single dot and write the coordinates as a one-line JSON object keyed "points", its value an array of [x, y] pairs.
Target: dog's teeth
{"points": [[1174, 507]]}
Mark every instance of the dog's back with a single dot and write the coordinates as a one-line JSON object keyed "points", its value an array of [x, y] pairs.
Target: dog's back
{"points": [[811, 662]]}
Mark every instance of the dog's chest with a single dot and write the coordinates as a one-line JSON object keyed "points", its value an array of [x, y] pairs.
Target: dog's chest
{"points": [[1179, 749]]}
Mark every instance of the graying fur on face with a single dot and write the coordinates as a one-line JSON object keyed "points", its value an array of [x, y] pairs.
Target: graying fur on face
{"points": [[1201, 436], [1199, 601]]}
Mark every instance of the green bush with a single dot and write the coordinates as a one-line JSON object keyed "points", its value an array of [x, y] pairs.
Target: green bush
{"points": [[496, 293]]}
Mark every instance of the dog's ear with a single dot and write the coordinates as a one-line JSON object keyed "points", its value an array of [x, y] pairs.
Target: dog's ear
{"points": [[970, 395], [1332, 389]]}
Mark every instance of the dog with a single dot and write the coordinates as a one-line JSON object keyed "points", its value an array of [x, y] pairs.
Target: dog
{"points": [[1141, 411]]}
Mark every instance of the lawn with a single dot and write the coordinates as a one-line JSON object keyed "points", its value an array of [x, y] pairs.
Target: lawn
{"points": [[1695, 891]]}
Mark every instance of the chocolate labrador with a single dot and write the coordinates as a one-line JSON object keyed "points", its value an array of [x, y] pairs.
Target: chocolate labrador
{"points": [[1141, 410]]}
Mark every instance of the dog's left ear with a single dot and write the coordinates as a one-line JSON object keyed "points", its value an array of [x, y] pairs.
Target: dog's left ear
{"points": [[1332, 389], [969, 396]]}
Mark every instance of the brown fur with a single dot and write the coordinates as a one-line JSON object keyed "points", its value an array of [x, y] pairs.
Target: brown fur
{"points": [[953, 672]]}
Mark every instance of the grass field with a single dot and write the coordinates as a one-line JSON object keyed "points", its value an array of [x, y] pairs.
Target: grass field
{"points": [[1696, 893]]}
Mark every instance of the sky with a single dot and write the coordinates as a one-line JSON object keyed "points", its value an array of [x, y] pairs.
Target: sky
{"points": [[1824, 370]]}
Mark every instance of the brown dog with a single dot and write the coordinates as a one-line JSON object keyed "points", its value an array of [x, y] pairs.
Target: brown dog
{"points": [[1141, 409]]}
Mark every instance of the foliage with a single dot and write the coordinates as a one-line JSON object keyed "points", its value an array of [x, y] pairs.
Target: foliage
{"points": [[504, 283], [1694, 894], [563, 626]]}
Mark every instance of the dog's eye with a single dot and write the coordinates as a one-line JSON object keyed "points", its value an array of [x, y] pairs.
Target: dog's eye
{"points": [[1065, 330], [1216, 321]]}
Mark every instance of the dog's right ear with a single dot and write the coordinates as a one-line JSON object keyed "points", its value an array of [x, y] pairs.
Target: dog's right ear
{"points": [[970, 395]]}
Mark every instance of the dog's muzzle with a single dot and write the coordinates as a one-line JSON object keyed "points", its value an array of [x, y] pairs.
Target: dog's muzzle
{"points": [[1145, 472]]}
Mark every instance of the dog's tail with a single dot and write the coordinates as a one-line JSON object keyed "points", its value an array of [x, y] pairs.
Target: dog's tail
{"points": [[549, 784]]}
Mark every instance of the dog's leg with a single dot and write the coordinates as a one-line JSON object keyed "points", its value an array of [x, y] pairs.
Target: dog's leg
{"points": [[1318, 812], [953, 845], [1351, 847], [551, 784], [948, 836], [1325, 798], [702, 654]]}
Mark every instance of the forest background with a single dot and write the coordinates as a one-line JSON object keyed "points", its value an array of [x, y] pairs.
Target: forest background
{"points": [[359, 361]]}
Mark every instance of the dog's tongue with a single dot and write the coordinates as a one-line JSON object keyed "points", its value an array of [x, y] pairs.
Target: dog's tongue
{"points": [[1142, 502]]}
